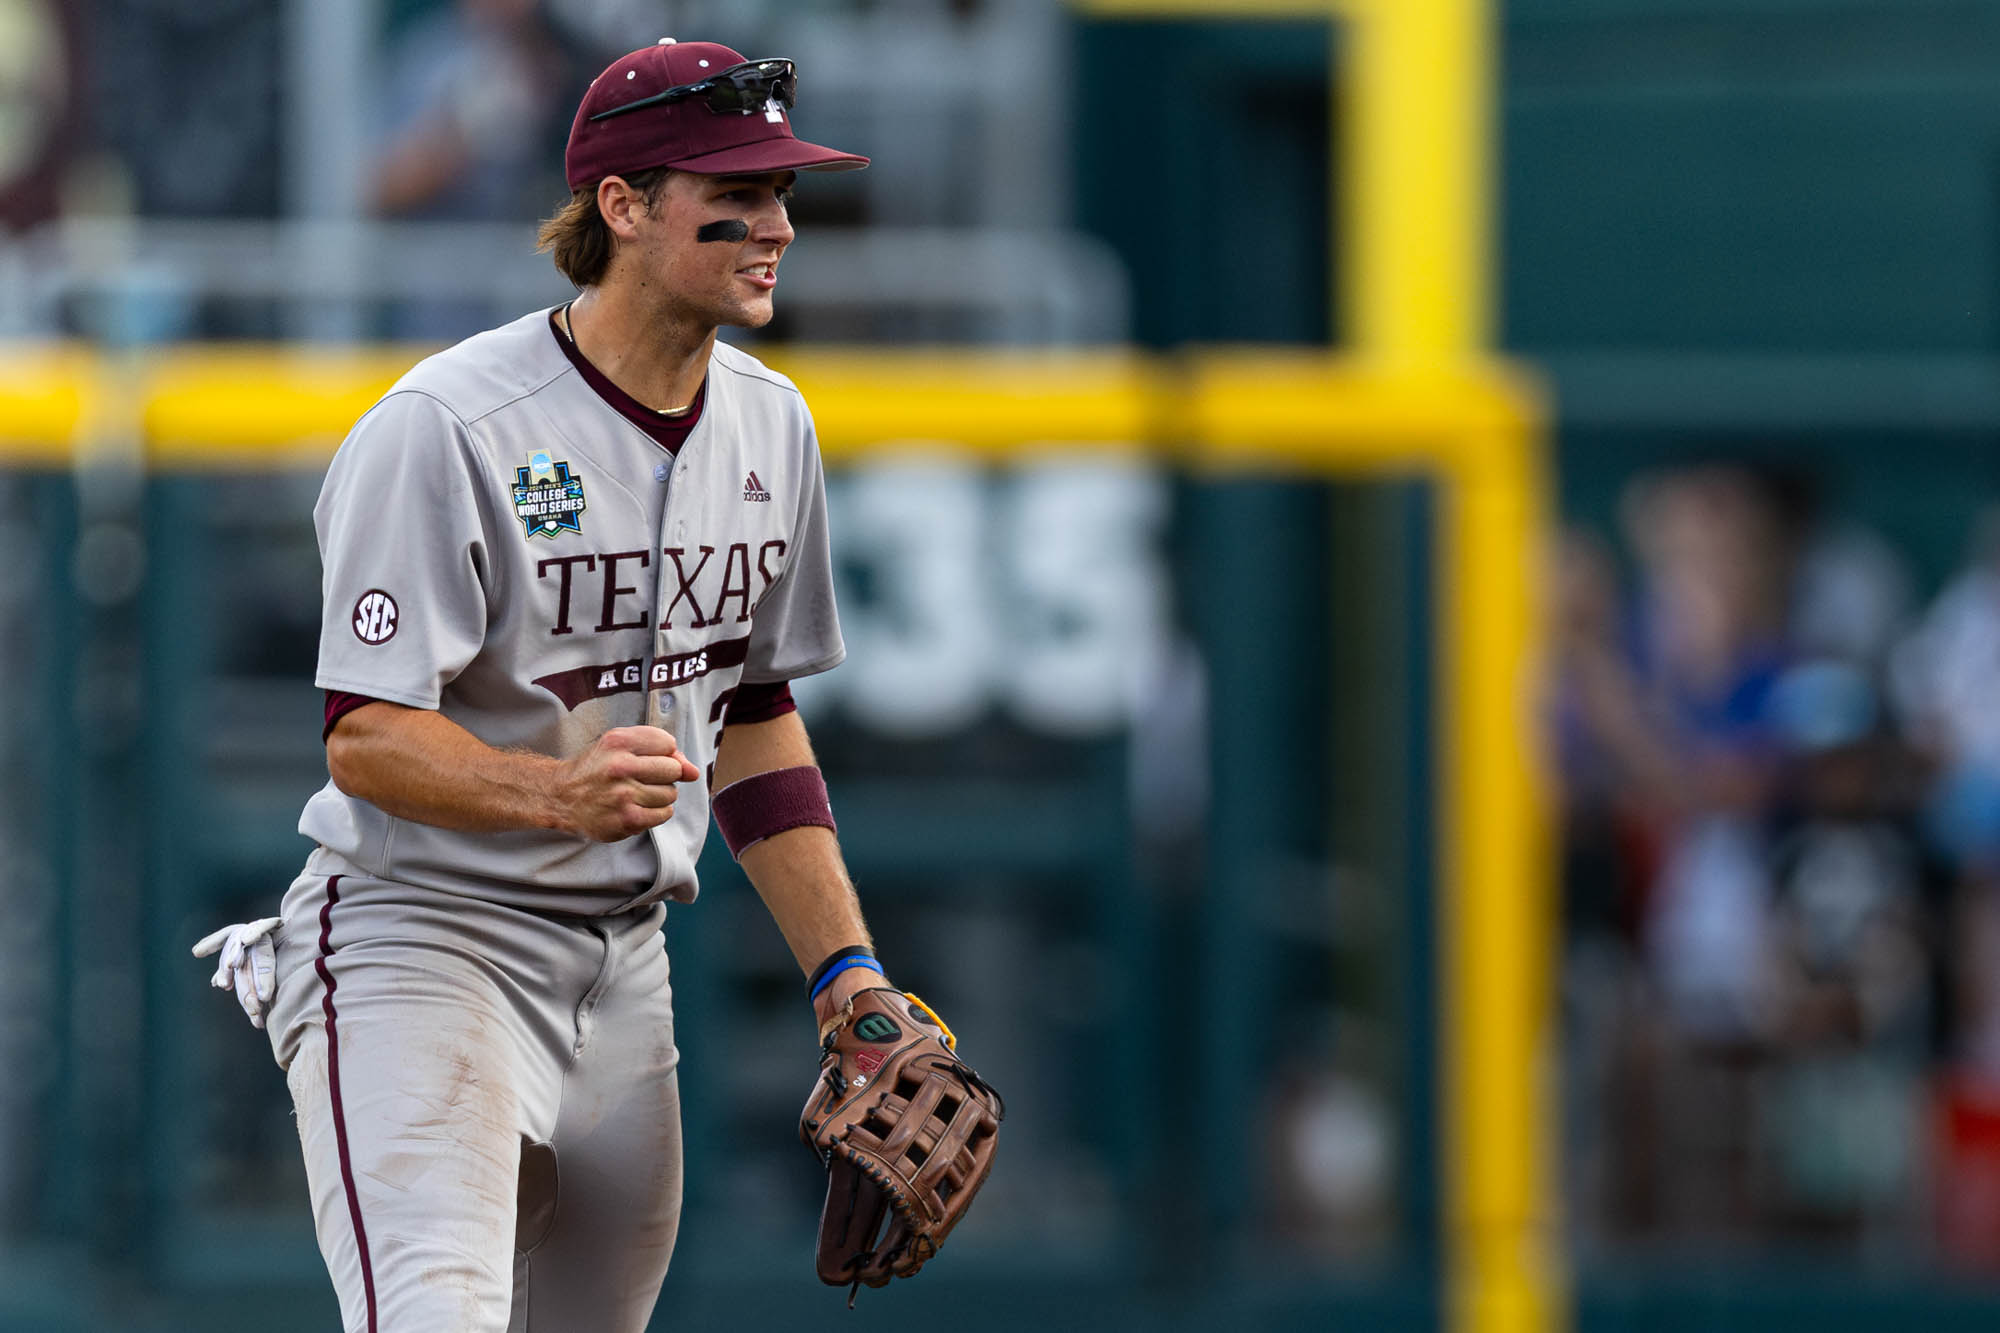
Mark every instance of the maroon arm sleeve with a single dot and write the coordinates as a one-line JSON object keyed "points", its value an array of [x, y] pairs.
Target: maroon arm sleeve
{"points": [[759, 703], [339, 703]]}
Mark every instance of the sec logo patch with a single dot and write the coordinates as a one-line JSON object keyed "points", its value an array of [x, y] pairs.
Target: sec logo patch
{"points": [[375, 617]]}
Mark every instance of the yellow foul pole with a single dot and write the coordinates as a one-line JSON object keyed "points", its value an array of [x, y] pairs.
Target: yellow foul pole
{"points": [[1419, 135], [1414, 102], [1414, 118], [1501, 1241], [1418, 100]]}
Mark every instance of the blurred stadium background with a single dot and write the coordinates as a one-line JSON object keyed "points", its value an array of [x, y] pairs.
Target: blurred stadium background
{"points": [[1497, 827]]}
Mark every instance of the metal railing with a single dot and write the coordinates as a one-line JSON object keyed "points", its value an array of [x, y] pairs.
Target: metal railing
{"points": [[132, 282]]}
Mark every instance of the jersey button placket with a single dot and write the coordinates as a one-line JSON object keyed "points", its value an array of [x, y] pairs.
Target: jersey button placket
{"points": [[659, 703]]}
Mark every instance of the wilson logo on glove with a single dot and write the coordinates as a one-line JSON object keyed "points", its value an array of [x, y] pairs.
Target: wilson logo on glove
{"points": [[877, 1028]]}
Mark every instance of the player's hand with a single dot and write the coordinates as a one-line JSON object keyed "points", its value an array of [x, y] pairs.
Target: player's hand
{"points": [[249, 964], [624, 784]]}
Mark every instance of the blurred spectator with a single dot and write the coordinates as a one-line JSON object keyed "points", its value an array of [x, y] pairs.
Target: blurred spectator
{"points": [[1750, 974], [1784, 892], [476, 107], [1946, 677], [1668, 713], [1674, 767], [1842, 1110], [39, 96], [1852, 596], [476, 104], [1946, 683]]}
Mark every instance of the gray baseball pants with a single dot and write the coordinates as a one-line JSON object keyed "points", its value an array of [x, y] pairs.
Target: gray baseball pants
{"points": [[488, 1103]]}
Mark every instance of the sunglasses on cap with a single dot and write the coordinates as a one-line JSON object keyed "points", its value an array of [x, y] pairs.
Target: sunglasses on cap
{"points": [[745, 88]]}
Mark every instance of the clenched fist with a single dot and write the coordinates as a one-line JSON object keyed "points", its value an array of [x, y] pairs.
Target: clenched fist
{"points": [[624, 784]]}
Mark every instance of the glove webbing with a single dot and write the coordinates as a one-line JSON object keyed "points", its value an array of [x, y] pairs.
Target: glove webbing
{"points": [[886, 1187]]}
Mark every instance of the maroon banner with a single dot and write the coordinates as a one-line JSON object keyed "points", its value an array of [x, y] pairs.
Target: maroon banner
{"points": [[595, 682]]}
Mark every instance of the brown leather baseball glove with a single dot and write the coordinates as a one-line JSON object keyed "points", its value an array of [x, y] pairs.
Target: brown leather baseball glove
{"points": [[907, 1132]]}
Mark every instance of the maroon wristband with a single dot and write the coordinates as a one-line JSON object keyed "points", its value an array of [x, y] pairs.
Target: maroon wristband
{"points": [[762, 804]]}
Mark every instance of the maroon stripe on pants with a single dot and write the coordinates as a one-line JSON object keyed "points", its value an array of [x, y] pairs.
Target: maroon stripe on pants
{"points": [[333, 1087]]}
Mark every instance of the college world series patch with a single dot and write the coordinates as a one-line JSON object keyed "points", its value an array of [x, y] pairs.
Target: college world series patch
{"points": [[548, 497]]}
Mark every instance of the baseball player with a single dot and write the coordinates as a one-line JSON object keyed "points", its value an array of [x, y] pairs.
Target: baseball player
{"points": [[570, 566]]}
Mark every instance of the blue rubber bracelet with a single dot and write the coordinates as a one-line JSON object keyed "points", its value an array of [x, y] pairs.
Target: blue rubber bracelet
{"points": [[848, 951], [858, 960]]}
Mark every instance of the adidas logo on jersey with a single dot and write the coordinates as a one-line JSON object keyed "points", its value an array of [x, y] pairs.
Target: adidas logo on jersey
{"points": [[753, 489]]}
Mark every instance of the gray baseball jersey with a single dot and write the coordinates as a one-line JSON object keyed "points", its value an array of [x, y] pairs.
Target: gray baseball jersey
{"points": [[502, 545]]}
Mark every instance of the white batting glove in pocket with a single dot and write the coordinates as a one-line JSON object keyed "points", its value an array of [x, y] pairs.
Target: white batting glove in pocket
{"points": [[249, 964]]}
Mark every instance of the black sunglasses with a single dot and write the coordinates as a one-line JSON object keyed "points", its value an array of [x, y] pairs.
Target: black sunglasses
{"points": [[745, 88]]}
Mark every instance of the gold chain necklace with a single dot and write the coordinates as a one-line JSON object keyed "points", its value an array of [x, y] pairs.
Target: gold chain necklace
{"points": [[562, 318]]}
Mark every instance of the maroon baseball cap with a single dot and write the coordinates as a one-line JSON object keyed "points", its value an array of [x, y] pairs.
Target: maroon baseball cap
{"points": [[685, 133]]}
